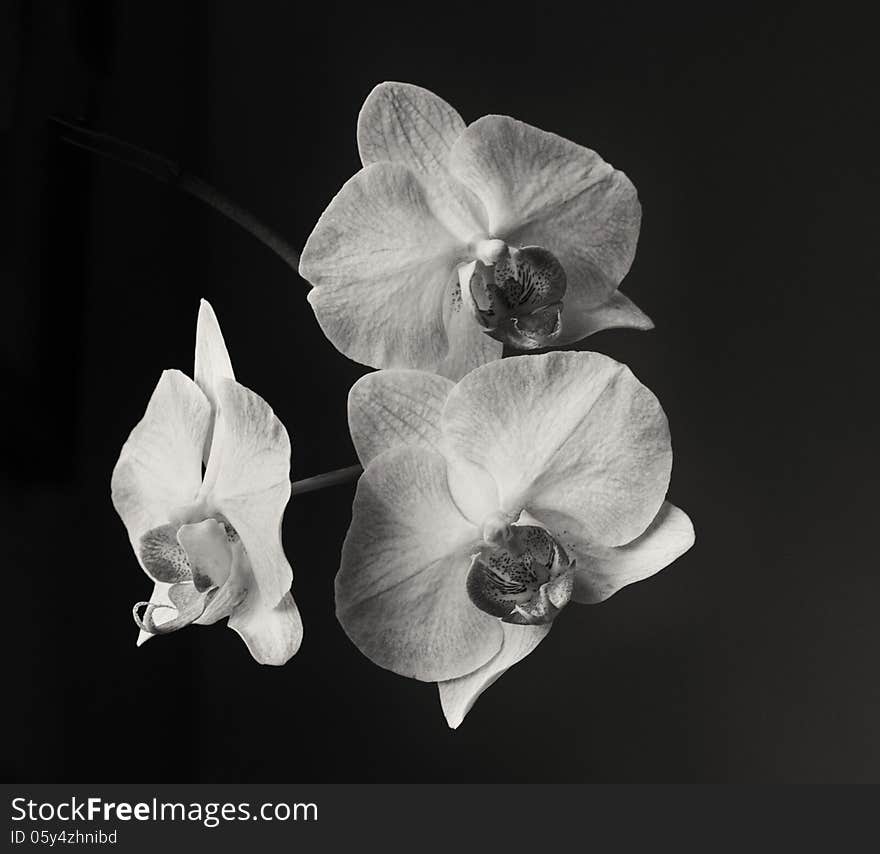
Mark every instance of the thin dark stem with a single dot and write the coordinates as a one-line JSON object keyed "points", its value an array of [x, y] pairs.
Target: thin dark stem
{"points": [[330, 478], [169, 172]]}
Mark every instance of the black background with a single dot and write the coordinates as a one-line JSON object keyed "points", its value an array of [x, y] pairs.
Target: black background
{"points": [[747, 130]]}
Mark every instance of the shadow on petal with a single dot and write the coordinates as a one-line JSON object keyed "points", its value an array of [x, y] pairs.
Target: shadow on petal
{"points": [[400, 591], [457, 696], [272, 634], [601, 572], [619, 312]]}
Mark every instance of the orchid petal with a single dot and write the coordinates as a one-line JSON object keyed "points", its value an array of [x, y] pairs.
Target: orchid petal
{"points": [[391, 408], [406, 124], [618, 312], [600, 572], [160, 465], [387, 409], [457, 696], [574, 438], [540, 189], [382, 265], [248, 481], [400, 590], [272, 633], [403, 123], [212, 359]]}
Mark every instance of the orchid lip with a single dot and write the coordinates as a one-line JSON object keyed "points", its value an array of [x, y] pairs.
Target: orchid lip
{"points": [[195, 571], [522, 575], [163, 557], [517, 294], [185, 613]]}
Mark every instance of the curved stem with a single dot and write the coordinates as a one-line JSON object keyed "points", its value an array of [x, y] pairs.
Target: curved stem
{"points": [[169, 172], [322, 481]]}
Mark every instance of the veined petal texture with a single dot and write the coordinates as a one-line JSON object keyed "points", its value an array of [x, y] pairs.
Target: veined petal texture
{"points": [[248, 481], [574, 438], [160, 466], [382, 265], [400, 590], [541, 189]]}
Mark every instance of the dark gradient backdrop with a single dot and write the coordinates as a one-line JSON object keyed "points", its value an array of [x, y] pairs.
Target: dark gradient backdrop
{"points": [[748, 134]]}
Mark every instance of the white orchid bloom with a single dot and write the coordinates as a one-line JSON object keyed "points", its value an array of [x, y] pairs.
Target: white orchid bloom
{"points": [[211, 544], [486, 506], [454, 239]]}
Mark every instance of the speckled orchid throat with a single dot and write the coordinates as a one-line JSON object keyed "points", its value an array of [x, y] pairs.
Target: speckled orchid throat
{"points": [[517, 293], [521, 574]]}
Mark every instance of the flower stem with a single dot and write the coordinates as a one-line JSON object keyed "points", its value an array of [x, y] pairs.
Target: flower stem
{"points": [[169, 172], [322, 481]]}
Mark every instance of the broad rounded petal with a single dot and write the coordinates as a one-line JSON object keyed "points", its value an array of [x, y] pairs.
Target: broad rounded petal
{"points": [[406, 124], [400, 590], [541, 189], [391, 408], [160, 465], [457, 696], [248, 481], [212, 358], [618, 312], [382, 264], [273, 633], [600, 572], [574, 438], [469, 346]]}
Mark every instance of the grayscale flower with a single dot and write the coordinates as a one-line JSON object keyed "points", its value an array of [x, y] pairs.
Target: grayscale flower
{"points": [[455, 239], [486, 506], [210, 543]]}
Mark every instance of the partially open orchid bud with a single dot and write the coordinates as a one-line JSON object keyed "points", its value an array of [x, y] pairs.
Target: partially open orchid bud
{"points": [[201, 485], [525, 577], [518, 298]]}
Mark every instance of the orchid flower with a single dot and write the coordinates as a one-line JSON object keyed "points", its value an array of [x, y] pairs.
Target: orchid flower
{"points": [[487, 506], [456, 239], [210, 543]]}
